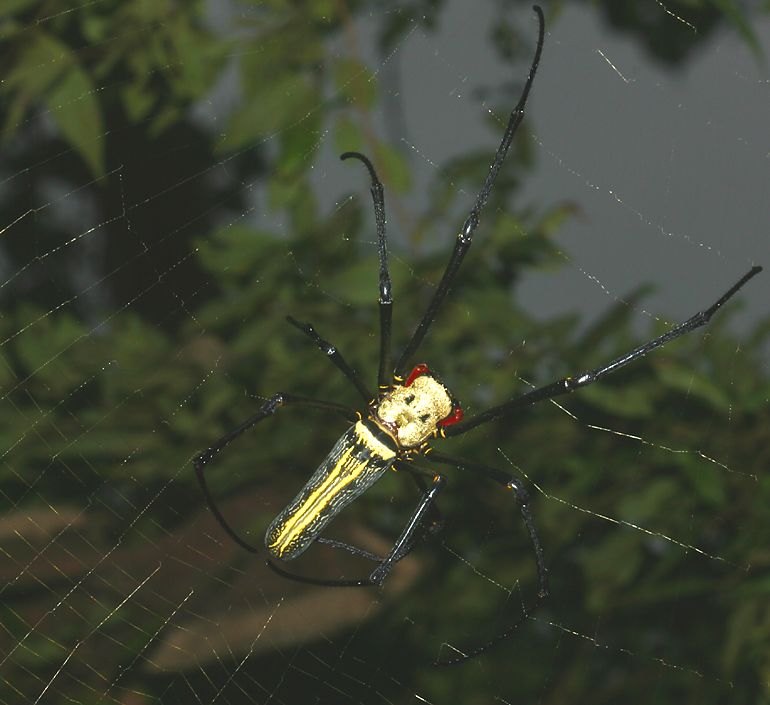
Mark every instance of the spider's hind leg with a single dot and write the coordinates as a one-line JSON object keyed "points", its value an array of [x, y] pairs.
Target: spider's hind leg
{"points": [[405, 543], [267, 409], [435, 523], [522, 497]]}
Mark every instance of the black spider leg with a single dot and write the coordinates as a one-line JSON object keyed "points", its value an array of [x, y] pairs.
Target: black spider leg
{"points": [[267, 409], [386, 295], [355, 550], [522, 497], [335, 356], [437, 521], [434, 525], [569, 384], [403, 545], [465, 237]]}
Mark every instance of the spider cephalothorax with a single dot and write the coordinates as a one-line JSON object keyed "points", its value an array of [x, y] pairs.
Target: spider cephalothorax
{"points": [[416, 410]]}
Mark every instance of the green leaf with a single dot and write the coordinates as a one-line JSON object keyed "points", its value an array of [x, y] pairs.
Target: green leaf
{"points": [[299, 144], [552, 221], [355, 82], [642, 506], [76, 111], [137, 100], [297, 197], [626, 402], [94, 27], [611, 566], [682, 378], [10, 6], [199, 59], [15, 114], [7, 377], [42, 338], [285, 100], [356, 284], [348, 136], [323, 10], [41, 61], [290, 45], [390, 163], [236, 250], [740, 631], [164, 119], [48, 69], [394, 170], [707, 480], [733, 13]]}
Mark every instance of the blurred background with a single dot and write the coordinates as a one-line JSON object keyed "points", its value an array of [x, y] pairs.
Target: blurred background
{"points": [[170, 190]]}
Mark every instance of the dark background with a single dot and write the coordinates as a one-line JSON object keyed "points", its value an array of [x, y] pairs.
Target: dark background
{"points": [[170, 190]]}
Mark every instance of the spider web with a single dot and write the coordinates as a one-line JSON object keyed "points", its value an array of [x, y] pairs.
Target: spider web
{"points": [[146, 269]]}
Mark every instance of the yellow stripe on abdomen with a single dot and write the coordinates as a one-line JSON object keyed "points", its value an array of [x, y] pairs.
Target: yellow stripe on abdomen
{"points": [[340, 475], [357, 461]]}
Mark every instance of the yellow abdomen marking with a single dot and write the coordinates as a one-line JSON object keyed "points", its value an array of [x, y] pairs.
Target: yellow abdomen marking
{"points": [[358, 460]]}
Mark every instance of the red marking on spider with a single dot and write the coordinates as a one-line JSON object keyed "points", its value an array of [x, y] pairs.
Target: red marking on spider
{"points": [[418, 371], [454, 417]]}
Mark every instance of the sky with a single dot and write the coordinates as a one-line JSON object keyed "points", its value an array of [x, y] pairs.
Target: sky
{"points": [[670, 168]]}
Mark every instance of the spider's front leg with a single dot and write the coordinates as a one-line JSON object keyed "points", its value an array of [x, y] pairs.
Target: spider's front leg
{"points": [[573, 382], [386, 292], [465, 236]]}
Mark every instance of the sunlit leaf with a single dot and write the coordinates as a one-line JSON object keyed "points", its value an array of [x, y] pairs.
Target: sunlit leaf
{"points": [[394, 168], [348, 136], [682, 378], [284, 101], [76, 110], [355, 82]]}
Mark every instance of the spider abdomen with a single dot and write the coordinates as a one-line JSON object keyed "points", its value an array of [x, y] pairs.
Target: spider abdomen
{"points": [[359, 458]]}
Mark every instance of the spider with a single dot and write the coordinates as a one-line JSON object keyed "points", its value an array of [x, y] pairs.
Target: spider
{"points": [[410, 410]]}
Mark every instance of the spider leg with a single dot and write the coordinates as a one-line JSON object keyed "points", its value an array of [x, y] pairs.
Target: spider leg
{"points": [[386, 296], [322, 582], [569, 384], [335, 356], [403, 545], [267, 409], [435, 525], [404, 542], [465, 237], [355, 550], [436, 522], [522, 496]]}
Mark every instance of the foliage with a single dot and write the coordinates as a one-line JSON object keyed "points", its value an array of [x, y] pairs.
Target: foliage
{"points": [[106, 402]]}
